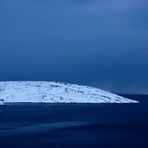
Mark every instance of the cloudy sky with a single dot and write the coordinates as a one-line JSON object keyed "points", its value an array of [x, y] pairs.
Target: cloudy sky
{"points": [[101, 43]]}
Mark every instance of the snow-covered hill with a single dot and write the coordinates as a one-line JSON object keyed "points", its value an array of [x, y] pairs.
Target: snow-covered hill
{"points": [[2, 102], [54, 92]]}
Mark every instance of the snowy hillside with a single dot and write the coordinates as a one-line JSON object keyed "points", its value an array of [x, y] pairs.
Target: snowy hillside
{"points": [[53, 92], [2, 102]]}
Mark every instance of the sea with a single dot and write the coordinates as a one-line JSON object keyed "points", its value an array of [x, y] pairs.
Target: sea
{"points": [[27, 125]]}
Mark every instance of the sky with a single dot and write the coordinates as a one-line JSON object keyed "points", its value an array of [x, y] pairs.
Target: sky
{"points": [[100, 43]]}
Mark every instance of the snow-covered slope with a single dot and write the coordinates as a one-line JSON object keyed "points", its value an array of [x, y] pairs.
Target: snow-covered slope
{"points": [[2, 102], [54, 92]]}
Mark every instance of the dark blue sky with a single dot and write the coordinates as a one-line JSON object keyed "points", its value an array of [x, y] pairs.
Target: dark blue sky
{"points": [[91, 42]]}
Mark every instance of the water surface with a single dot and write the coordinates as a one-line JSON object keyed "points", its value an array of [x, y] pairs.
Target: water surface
{"points": [[75, 125]]}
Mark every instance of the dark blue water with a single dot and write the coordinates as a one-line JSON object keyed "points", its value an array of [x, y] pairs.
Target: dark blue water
{"points": [[75, 125]]}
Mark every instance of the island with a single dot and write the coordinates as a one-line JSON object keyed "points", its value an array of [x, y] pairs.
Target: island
{"points": [[55, 92]]}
